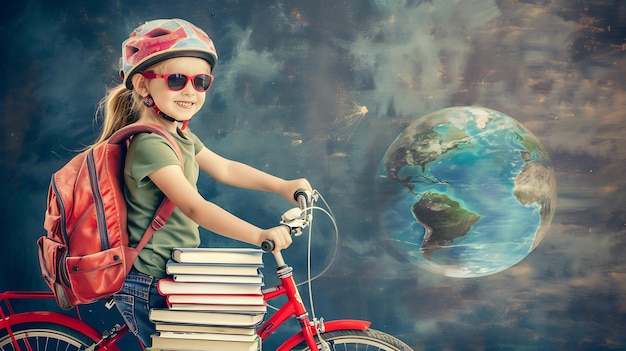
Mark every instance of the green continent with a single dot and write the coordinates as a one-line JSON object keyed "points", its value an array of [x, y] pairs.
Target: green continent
{"points": [[444, 220], [419, 148]]}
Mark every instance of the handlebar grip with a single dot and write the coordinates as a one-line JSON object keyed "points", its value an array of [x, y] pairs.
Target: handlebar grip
{"points": [[302, 197], [267, 245]]}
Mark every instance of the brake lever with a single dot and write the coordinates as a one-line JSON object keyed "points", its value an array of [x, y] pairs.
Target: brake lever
{"points": [[295, 220]]}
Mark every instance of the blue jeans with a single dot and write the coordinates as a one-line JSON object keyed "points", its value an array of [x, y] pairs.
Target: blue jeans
{"points": [[138, 295]]}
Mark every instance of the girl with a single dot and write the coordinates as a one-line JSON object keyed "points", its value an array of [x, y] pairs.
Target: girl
{"points": [[166, 70]]}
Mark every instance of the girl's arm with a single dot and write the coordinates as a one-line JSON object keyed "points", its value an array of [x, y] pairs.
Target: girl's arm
{"points": [[172, 182], [240, 175]]}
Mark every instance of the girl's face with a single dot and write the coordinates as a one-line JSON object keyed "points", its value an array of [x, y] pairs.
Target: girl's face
{"points": [[184, 103]]}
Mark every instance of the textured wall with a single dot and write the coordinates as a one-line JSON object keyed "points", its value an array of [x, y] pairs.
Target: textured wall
{"points": [[320, 89]]}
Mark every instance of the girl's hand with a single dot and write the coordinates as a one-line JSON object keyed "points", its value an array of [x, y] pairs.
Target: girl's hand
{"points": [[290, 187], [279, 235]]}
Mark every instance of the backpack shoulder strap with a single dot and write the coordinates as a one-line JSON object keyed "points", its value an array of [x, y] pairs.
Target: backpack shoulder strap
{"points": [[124, 134], [165, 209]]}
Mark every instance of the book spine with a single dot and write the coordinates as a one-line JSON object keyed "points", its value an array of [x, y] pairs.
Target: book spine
{"points": [[250, 304]]}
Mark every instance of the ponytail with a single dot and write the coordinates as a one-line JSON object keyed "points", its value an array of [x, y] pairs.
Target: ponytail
{"points": [[119, 108]]}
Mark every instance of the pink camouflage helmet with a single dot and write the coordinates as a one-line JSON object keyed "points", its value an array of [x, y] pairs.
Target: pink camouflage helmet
{"points": [[162, 39]]}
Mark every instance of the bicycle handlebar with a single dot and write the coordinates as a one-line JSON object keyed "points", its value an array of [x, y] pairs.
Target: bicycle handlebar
{"points": [[267, 245], [296, 220], [302, 196]]}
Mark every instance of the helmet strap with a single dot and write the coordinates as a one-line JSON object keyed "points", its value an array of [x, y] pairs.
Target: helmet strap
{"points": [[149, 102]]}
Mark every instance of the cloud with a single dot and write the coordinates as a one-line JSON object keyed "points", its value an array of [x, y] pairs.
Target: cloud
{"points": [[415, 57]]}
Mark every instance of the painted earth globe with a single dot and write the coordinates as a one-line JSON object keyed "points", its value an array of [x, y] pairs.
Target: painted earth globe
{"points": [[467, 192]]}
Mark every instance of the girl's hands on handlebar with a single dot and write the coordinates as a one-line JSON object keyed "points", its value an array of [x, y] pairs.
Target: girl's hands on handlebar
{"points": [[279, 235], [278, 238], [289, 188]]}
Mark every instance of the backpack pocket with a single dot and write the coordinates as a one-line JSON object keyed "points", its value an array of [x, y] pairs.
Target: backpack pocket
{"points": [[98, 275], [50, 255]]}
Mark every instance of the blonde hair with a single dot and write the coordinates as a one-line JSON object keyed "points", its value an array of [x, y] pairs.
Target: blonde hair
{"points": [[119, 108], [122, 106]]}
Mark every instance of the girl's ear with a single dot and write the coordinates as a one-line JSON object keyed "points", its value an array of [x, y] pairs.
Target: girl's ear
{"points": [[140, 85]]}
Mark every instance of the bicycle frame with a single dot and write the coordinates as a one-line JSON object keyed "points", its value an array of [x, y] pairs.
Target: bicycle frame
{"points": [[294, 307], [10, 318], [358, 330]]}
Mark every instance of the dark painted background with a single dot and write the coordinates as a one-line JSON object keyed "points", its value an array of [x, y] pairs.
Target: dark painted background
{"points": [[320, 89]]}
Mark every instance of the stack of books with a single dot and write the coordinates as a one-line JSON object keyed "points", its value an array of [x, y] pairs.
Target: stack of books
{"points": [[214, 300]]}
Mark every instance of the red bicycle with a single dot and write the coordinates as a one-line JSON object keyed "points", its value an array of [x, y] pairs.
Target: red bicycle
{"points": [[45, 330]]}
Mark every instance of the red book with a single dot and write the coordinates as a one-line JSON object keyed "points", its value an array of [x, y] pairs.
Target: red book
{"points": [[168, 286], [251, 300]]}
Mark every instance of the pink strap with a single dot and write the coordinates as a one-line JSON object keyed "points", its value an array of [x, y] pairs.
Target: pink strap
{"points": [[163, 212], [166, 208]]}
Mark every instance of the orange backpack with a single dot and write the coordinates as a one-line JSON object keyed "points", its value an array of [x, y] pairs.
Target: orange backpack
{"points": [[85, 255]]}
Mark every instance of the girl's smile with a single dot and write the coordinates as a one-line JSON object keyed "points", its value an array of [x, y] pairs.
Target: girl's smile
{"points": [[185, 104], [178, 86]]}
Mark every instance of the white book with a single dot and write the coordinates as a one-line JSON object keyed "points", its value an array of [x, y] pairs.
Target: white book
{"points": [[208, 336], [172, 267], [161, 343], [211, 329], [218, 255], [206, 318], [205, 278]]}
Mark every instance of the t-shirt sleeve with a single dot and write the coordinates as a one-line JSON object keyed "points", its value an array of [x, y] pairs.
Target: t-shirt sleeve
{"points": [[146, 154], [197, 143]]}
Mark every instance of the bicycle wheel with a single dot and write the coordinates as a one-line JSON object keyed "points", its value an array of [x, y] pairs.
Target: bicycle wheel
{"points": [[43, 336], [359, 340]]}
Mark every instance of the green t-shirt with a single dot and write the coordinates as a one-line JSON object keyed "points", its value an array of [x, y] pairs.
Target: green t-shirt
{"points": [[146, 154]]}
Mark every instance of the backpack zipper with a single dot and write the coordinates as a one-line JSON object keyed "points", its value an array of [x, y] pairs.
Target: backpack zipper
{"points": [[62, 273], [62, 227], [97, 200]]}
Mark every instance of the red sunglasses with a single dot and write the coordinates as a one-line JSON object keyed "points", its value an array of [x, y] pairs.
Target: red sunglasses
{"points": [[177, 81]]}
